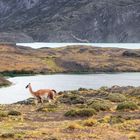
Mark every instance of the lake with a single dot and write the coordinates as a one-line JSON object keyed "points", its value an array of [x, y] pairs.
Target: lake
{"points": [[61, 82]]}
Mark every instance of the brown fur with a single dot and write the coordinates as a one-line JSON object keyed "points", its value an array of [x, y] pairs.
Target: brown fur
{"points": [[42, 92]]}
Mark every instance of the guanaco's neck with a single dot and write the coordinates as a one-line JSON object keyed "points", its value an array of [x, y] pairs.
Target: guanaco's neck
{"points": [[30, 89]]}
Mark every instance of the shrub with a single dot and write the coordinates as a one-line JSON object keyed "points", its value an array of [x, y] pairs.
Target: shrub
{"points": [[81, 113], [72, 99], [74, 126], [90, 122], [86, 112], [71, 113], [104, 88], [116, 97], [7, 135], [14, 113], [48, 108], [3, 114], [51, 138], [81, 106], [127, 106], [99, 105], [82, 89], [116, 119]]}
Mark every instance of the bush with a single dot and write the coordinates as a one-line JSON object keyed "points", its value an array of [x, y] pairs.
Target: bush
{"points": [[48, 108], [7, 135], [100, 105], [90, 122], [82, 89], [74, 126], [116, 97], [14, 113], [80, 113], [103, 88], [3, 114], [72, 99], [86, 112], [71, 113], [116, 119], [127, 106]]}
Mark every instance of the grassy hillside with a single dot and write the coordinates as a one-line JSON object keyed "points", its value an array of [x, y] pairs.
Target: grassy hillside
{"points": [[22, 60], [103, 114]]}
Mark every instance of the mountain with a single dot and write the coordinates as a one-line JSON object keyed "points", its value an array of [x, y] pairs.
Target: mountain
{"points": [[25, 60], [69, 20]]}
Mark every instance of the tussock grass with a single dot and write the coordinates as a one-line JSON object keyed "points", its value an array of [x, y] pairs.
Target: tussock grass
{"points": [[116, 97], [80, 113], [100, 105], [127, 106]]}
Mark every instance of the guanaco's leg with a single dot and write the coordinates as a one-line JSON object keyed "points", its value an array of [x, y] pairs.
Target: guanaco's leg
{"points": [[39, 99]]}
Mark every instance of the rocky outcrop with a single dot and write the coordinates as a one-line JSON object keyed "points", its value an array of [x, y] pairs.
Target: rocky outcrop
{"points": [[131, 53], [71, 21], [4, 82]]}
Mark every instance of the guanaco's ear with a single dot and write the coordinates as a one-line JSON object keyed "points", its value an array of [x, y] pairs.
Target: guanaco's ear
{"points": [[27, 85]]}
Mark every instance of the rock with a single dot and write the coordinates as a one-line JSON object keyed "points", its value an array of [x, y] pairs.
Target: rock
{"points": [[131, 53], [4, 82], [29, 101]]}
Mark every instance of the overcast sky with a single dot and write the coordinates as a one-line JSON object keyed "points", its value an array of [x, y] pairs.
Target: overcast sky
{"points": [[54, 45]]}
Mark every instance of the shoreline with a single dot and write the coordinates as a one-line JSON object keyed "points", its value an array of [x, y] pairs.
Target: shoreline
{"points": [[6, 76], [120, 89]]}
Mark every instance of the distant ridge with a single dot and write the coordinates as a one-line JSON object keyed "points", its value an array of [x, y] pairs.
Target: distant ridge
{"points": [[25, 60]]}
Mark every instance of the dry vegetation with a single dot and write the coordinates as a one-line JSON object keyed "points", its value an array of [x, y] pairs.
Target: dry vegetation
{"points": [[75, 115], [25, 60]]}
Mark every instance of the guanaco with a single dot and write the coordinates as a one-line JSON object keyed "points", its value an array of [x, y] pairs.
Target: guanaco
{"points": [[42, 94]]}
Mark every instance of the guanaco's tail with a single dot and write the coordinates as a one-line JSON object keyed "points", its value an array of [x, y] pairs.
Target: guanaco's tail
{"points": [[54, 91]]}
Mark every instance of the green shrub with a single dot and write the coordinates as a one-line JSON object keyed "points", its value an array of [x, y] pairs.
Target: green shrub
{"points": [[80, 113], [71, 113], [99, 105], [72, 99], [116, 97], [3, 114], [82, 89], [86, 112], [7, 135], [127, 106], [103, 88], [48, 108], [116, 119], [14, 113]]}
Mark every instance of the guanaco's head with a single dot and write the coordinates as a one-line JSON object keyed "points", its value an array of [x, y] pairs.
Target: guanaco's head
{"points": [[28, 85]]}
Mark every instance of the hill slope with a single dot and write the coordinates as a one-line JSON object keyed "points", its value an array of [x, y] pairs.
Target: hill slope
{"points": [[70, 20], [17, 59]]}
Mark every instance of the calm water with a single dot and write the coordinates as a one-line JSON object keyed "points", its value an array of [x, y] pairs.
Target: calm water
{"points": [[55, 45], [62, 82]]}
